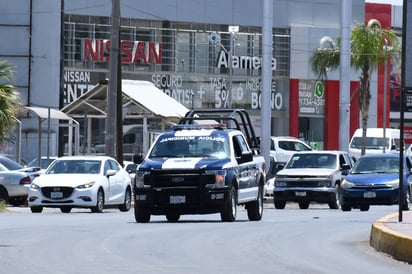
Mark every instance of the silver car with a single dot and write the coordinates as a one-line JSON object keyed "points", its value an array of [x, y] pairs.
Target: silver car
{"points": [[15, 181]]}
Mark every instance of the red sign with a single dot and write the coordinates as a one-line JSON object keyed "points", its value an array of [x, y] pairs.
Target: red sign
{"points": [[407, 135], [98, 50]]}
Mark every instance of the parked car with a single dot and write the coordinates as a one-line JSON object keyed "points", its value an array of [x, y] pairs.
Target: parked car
{"points": [[374, 180], [43, 163], [130, 168], [270, 184], [15, 181], [311, 176], [81, 181], [283, 147]]}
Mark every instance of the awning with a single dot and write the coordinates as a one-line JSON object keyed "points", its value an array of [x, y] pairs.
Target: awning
{"points": [[140, 98], [43, 113], [46, 114]]}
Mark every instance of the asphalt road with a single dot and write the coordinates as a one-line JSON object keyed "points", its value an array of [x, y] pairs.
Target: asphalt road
{"points": [[317, 240]]}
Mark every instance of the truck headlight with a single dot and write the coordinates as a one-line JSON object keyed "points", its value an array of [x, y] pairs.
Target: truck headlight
{"points": [[220, 176], [280, 183], [139, 178]]}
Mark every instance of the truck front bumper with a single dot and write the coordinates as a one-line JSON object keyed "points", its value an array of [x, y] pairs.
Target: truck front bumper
{"points": [[182, 200], [322, 194]]}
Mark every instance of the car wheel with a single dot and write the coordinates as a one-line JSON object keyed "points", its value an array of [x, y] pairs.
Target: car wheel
{"points": [[279, 204], [304, 204], [127, 201], [99, 202], [255, 208], [364, 207], [173, 216], [229, 212], [3, 195], [141, 215], [405, 205], [18, 201], [334, 204], [36, 209], [65, 209], [346, 207]]}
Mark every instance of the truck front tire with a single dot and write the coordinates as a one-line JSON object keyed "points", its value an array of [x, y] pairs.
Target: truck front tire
{"points": [[228, 214], [141, 215]]}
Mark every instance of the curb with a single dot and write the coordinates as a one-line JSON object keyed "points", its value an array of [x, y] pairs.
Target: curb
{"points": [[386, 240]]}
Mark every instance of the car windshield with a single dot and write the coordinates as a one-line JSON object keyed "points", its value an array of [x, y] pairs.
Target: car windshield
{"points": [[293, 146], [376, 165], [315, 160], [216, 146], [75, 166]]}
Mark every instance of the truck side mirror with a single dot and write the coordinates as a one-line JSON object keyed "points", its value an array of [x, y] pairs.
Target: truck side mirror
{"points": [[246, 156], [138, 158]]}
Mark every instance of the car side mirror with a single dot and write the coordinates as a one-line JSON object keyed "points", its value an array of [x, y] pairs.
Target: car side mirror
{"points": [[110, 172]]}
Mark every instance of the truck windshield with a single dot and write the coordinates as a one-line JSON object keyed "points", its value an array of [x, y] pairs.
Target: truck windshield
{"points": [[216, 146], [371, 142]]}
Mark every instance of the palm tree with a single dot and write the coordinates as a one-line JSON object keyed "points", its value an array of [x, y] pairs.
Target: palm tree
{"points": [[9, 101], [370, 46]]}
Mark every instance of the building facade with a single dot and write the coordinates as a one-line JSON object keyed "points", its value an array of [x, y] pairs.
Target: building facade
{"points": [[61, 50]]}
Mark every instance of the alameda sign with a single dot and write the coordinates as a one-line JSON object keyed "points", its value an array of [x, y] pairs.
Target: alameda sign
{"points": [[241, 62]]}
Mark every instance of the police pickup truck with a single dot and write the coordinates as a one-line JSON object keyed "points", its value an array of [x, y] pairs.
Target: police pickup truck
{"points": [[208, 163]]}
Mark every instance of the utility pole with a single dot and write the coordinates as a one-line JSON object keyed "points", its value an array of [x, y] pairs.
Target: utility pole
{"points": [[344, 84], [111, 118], [267, 54]]}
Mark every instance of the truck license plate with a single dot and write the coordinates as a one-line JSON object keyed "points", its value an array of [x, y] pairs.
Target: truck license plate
{"points": [[300, 193], [56, 195], [177, 200], [369, 194]]}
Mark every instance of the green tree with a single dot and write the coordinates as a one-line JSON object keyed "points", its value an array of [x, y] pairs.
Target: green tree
{"points": [[370, 46], [9, 101]]}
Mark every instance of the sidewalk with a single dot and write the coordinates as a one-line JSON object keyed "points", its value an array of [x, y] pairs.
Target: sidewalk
{"points": [[392, 237]]}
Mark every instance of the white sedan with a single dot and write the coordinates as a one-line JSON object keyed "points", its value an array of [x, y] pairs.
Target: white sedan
{"points": [[93, 182]]}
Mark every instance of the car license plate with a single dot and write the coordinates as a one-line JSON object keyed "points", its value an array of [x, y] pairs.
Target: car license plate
{"points": [[300, 193], [56, 195], [369, 194], [177, 200]]}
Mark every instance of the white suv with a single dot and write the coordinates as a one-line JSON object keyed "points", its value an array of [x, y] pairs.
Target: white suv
{"points": [[283, 147]]}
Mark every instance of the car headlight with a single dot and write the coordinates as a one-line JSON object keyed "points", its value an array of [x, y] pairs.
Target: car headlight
{"points": [[346, 184], [220, 176], [34, 186], [139, 178], [393, 184], [83, 186]]}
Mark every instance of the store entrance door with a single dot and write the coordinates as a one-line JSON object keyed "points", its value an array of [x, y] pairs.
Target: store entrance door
{"points": [[311, 130]]}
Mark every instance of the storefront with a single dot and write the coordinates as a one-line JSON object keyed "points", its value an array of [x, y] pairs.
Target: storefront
{"points": [[204, 54]]}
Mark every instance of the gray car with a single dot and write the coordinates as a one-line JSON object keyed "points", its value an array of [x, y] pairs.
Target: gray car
{"points": [[15, 181]]}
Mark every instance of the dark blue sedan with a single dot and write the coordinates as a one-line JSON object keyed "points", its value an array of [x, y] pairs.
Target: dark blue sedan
{"points": [[374, 180]]}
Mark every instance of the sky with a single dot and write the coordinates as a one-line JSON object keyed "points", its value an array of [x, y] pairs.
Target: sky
{"points": [[393, 2]]}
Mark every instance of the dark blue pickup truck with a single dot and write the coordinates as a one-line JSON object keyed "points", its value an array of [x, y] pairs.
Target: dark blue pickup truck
{"points": [[208, 163]]}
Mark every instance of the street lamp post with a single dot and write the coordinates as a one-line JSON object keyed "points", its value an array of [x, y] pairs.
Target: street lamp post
{"points": [[232, 30], [384, 95]]}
